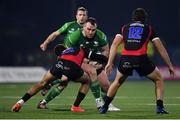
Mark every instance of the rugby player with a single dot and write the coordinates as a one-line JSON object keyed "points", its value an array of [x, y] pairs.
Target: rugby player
{"points": [[68, 64], [135, 36]]}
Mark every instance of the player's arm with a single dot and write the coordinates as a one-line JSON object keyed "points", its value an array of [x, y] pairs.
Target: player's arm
{"points": [[97, 57], [54, 35], [105, 50], [163, 53], [49, 39], [116, 42], [103, 43]]}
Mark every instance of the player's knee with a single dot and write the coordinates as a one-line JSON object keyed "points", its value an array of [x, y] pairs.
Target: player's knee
{"points": [[155, 76], [42, 83], [63, 83], [85, 81], [159, 79], [105, 88], [39, 85], [122, 79], [92, 72]]}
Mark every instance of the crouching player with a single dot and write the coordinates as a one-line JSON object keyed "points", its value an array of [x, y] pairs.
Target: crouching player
{"points": [[68, 65]]}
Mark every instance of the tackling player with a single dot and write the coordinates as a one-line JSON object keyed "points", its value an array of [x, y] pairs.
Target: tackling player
{"points": [[94, 40], [68, 64]]}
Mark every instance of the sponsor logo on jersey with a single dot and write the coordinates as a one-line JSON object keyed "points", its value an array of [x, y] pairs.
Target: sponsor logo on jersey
{"points": [[71, 30], [96, 43]]}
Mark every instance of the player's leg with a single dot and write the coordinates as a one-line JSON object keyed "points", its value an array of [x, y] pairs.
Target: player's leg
{"points": [[48, 86], [119, 79], [71, 73], [159, 90], [83, 90], [148, 69], [55, 91], [104, 82], [32, 91], [57, 51], [94, 86]]}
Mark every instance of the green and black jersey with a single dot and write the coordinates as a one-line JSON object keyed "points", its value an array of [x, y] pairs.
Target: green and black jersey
{"points": [[77, 39], [69, 28]]}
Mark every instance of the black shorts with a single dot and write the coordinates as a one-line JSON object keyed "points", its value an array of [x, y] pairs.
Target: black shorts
{"points": [[142, 64], [67, 68]]}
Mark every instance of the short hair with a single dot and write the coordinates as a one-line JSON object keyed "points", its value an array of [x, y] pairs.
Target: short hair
{"points": [[91, 20], [58, 49], [139, 14], [82, 9]]}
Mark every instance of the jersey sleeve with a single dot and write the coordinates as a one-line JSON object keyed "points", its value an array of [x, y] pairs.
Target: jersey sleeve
{"points": [[153, 33], [72, 39], [64, 28], [96, 57], [102, 38]]}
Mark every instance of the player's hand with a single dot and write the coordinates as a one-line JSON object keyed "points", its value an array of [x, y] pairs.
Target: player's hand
{"points": [[95, 64], [172, 72], [108, 68], [43, 47]]}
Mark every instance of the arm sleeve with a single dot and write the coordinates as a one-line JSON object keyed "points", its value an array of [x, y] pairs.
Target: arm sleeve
{"points": [[102, 38], [97, 57], [63, 29], [153, 34]]}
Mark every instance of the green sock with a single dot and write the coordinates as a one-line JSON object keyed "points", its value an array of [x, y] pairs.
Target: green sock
{"points": [[53, 93], [95, 89], [56, 82]]}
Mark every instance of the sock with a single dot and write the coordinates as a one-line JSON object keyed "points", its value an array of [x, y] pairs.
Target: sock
{"points": [[56, 82], [79, 98], [103, 94], [107, 101], [43, 101], [21, 101], [95, 89], [159, 103], [53, 93], [26, 97]]}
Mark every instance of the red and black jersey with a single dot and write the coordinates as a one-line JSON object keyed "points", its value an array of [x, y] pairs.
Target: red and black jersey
{"points": [[77, 55], [136, 37]]}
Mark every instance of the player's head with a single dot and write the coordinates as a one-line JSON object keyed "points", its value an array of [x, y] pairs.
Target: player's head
{"points": [[58, 49], [81, 15], [139, 14], [89, 27]]}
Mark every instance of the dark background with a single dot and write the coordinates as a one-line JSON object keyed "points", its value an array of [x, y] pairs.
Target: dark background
{"points": [[24, 25]]}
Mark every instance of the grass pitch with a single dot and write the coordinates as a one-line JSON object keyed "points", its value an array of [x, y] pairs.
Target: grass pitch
{"points": [[136, 99]]}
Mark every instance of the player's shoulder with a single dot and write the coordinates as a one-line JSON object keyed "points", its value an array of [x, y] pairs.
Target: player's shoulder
{"points": [[100, 33]]}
